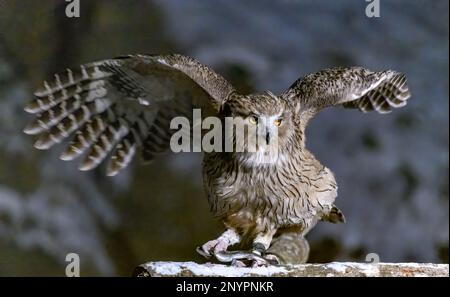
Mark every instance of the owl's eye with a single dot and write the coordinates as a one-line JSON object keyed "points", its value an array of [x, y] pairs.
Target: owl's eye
{"points": [[278, 122], [253, 120]]}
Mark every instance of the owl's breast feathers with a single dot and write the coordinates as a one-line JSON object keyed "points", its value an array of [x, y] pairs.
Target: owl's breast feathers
{"points": [[297, 192]]}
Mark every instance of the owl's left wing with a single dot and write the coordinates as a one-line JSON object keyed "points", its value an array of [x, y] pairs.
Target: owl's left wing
{"points": [[354, 87]]}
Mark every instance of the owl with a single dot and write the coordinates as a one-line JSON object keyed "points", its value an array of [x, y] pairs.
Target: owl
{"points": [[267, 202]]}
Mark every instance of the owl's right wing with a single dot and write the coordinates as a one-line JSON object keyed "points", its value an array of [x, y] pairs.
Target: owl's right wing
{"points": [[118, 105], [353, 87]]}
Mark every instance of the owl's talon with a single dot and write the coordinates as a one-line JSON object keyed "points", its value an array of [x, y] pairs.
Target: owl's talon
{"points": [[228, 257], [237, 263], [207, 250], [203, 253], [259, 263], [242, 258]]}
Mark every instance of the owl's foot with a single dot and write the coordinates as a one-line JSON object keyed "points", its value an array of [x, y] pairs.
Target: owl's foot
{"points": [[252, 263], [267, 260], [217, 249], [212, 247], [221, 244], [247, 259]]}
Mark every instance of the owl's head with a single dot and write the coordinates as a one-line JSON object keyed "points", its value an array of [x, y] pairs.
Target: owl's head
{"points": [[267, 125]]}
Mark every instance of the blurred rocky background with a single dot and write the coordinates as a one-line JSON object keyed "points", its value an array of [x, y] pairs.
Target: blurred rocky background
{"points": [[392, 169]]}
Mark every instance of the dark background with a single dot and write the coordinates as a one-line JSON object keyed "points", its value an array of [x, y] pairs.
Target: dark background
{"points": [[392, 169]]}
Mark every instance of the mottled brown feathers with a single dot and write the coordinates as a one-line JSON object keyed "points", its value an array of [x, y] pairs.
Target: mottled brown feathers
{"points": [[119, 106]]}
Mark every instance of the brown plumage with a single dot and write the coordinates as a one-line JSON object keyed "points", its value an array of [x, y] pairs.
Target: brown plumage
{"points": [[119, 106]]}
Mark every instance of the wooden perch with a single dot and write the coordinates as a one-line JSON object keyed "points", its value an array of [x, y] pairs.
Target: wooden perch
{"points": [[174, 269]]}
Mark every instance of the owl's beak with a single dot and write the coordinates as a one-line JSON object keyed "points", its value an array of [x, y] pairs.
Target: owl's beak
{"points": [[267, 137]]}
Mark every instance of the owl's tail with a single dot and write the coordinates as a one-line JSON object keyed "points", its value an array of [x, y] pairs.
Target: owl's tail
{"points": [[290, 247]]}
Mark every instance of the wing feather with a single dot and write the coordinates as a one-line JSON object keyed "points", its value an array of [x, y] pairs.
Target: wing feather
{"points": [[354, 87], [118, 106]]}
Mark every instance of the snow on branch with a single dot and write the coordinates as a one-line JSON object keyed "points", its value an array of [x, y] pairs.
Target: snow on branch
{"points": [[174, 269]]}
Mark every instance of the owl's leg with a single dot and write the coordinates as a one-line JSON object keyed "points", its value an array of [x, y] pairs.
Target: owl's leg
{"points": [[221, 244], [262, 241]]}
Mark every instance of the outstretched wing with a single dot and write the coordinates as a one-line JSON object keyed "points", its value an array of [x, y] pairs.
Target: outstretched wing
{"points": [[119, 105], [354, 87]]}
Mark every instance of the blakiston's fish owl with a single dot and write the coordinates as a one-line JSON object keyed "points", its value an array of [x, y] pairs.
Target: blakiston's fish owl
{"points": [[118, 106]]}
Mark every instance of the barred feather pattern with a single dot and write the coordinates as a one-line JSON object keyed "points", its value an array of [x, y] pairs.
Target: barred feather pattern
{"points": [[353, 87], [78, 100], [107, 107], [391, 93], [158, 138]]}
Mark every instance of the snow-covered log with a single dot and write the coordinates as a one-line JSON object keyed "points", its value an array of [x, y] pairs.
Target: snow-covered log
{"points": [[174, 269]]}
